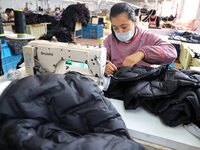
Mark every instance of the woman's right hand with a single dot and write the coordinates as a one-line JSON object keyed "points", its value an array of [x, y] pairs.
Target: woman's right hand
{"points": [[110, 68]]}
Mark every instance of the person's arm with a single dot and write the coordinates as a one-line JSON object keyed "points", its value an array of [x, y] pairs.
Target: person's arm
{"points": [[110, 67], [107, 46], [157, 51], [158, 22]]}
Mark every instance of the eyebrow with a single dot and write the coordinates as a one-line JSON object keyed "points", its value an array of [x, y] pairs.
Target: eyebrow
{"points": [[120, 25]]}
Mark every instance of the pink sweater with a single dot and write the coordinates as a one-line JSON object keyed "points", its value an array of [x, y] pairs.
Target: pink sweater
{"points": [[156, 51]]}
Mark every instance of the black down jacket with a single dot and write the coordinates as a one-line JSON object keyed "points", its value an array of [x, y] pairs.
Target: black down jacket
{"points": [[60, 112], [172, 94]]}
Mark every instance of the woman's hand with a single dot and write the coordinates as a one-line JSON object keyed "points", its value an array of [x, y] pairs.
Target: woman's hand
{"points": [[110, 68], [133, 59]]}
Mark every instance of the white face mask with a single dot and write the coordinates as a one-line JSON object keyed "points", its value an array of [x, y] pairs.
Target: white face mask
{"points": [[57, 12], [124, 37]]}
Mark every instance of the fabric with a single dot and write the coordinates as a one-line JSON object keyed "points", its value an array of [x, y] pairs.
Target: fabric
{"points": [[16, 47], [32, 18], [190, 37], [1, 69], [58, 16], [57, 112], [156, 51], [172, 94], [170, 18], [61, 34], [75, 13], [196, 55], [192, 128], [72, 14]]}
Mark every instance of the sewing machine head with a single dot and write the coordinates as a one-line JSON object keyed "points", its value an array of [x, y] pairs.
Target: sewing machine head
{"points": [[50, 57]]}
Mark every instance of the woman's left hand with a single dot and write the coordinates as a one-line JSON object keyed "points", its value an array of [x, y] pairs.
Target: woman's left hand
{"points": [[133, 59]]}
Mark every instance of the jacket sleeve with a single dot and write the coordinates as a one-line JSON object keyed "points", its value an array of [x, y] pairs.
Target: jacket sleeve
{"points": [[158, 21], [157, 51], [107, 46]]}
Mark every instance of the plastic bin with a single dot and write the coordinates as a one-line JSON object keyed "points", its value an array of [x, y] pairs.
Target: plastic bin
{"points": [[10, 62], [2, 41], [93, 31], [5, 51]]}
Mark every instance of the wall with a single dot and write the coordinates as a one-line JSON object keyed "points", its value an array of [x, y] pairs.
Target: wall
{"points": [[20, 4], [16, 4]]}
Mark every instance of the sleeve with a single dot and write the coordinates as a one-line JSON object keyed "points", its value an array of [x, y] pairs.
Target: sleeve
{"points": [[157, 51], [107, 46], [158, 22]]}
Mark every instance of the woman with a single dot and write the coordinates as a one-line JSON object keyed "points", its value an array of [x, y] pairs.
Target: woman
{"points": [[128, 45], [154, 20], [10, 14], [58, 13]]}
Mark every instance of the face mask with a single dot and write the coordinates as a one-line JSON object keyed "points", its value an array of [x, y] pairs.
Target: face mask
{"points": [[57, 12], [124, 37]]}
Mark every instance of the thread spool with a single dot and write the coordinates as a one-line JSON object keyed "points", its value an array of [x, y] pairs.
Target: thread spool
{"points": [[1, 27], [20, 23]]}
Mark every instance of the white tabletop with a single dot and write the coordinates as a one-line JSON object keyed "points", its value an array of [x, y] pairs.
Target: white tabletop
{"points": [[148, 127]]}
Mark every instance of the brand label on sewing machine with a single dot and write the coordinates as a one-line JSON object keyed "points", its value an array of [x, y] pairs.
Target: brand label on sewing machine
{"points": [[47, 54]]}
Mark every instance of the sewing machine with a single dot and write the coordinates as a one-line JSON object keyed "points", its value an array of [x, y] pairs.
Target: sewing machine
{"points": [[50, 57]]}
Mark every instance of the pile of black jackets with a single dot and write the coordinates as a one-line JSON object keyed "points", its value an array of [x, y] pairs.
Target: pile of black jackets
{"points": [[32, 18], [168, 18], [75, 13], [71, 15], [190, 37], [57, 112], [61, 34], [172, 94]]}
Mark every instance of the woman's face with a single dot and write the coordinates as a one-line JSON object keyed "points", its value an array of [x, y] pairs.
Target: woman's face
{"points": [[122, 24], [153, 16]]}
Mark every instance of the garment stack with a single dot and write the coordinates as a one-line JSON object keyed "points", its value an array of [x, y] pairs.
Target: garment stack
{"points": [[172, 94], [71, 15], [57, 112]]}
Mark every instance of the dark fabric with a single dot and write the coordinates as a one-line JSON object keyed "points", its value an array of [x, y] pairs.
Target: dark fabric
{"points": [[32, 18], [75, 13], [71, 15], [57, 112], [190, 37], [141, 11], [172, 94], [1, 69], [196, 55], [16, 47], [168, 18], [61, 34]]}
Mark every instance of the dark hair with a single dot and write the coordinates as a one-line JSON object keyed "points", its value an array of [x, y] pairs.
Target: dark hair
{"points": [[152, 12], [9, 10], [120, 8], [57, 8]]}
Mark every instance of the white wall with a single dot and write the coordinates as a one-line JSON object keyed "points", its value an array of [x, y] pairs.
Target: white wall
{"points": [[20, 4], [16, 4]]}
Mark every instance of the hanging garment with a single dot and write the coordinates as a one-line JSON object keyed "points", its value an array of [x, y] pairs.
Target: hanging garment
{"points": [[172, 94], [57, 112]]}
